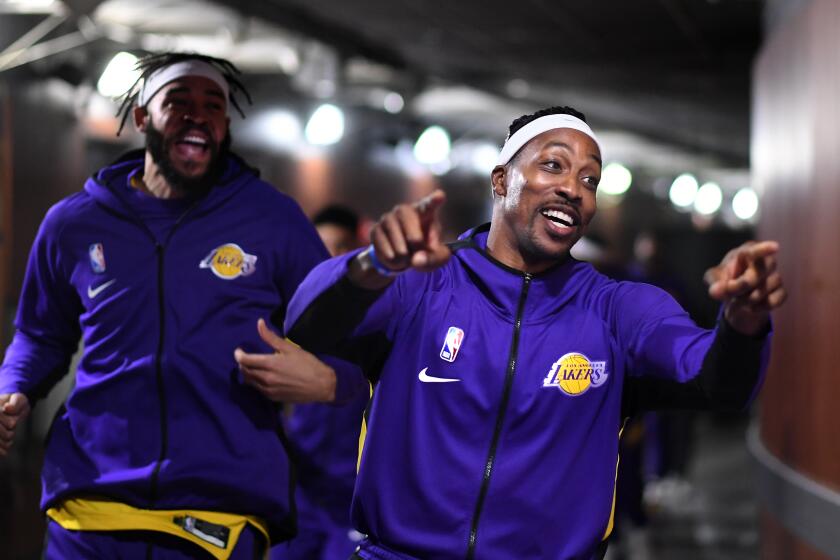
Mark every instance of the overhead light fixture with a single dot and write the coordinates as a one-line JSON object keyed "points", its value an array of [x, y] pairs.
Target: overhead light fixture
{"points": [[518, 88], [393, 102], [709, 198], [745, 203], [325, 126], [120, 74], [28, 6], [279, 128], [483, 158], [433, 146], [683, 190], [615, 179]]}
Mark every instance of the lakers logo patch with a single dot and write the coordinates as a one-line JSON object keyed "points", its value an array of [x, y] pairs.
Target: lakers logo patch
{"points": [[229, 261], [574, 374]]}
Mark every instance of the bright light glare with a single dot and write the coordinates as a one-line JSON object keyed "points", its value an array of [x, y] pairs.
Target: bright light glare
{"points": [[119, 75], [432, 146], [483, 158], [683, 190], [325, 126], [615, 179], [745, 203], [279, 128], [393, 102], [708, 199]]}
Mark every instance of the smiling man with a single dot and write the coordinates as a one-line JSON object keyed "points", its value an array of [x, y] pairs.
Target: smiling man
{"points": [[495, 421], [163, 265]]}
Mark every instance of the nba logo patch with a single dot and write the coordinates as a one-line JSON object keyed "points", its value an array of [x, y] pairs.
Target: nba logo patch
{"points": [[97, 258], [452, 343]]}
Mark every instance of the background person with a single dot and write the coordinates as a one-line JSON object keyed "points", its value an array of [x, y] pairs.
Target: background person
{"points": [[325, 438]]}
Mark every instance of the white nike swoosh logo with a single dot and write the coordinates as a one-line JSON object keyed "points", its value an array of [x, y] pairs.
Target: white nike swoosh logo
{"points": [[429, 379], [93, 292]]}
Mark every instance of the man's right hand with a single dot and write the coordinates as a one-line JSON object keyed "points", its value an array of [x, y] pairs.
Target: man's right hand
{"points": [[406, 237], [14, 407]]}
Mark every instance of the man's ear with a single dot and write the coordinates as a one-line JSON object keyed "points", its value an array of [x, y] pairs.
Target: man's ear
{"points": [[498, 180], [141, 118]]}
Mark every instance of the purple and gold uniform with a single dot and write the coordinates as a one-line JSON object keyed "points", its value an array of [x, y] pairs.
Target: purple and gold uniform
{"points": [[506, 447], [161, 292]]}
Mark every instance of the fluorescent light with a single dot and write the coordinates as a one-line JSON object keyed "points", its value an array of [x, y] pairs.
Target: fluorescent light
{"points": [[709, 198], [745, 203], [483, 158], [393, 102], [119, 75], [325, 126], [683, 190], [278, 128], [432, 146], [615, 179]]}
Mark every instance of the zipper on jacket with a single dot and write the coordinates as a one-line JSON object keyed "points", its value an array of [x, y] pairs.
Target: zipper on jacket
{"points": [[164, 432], [160, 248], [500, 417]]}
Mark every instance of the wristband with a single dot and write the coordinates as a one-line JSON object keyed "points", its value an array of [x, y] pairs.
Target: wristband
{"points": [[378, 266]]}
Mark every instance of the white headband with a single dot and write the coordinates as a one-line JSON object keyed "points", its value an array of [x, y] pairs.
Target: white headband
{"points": [[536, 127], [161, 77]]}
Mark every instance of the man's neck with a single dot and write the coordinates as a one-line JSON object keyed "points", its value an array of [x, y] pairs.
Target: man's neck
{"points": [[154, 183], [504, 249]]}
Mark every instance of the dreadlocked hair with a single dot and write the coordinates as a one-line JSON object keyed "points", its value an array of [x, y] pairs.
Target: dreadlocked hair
{"points": [[525, 119], [152, 63]]}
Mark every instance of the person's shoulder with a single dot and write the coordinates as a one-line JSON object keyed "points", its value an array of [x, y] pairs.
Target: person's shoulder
{"points": [[261, 192], [71, 209]]}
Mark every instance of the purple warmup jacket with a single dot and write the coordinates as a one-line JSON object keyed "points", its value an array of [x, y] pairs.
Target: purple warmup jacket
{"points": [[494, 427], [161, 293]]}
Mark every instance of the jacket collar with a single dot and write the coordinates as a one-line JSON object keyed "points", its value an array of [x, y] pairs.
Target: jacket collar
{"points": [[106, 186], [502, 285]]}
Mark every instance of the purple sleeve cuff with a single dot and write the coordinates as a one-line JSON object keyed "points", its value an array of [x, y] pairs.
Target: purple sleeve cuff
{"points": [[350, 381]]}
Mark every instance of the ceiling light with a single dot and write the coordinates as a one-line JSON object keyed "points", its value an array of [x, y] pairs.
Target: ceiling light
{"points": [[683, 190], [278, 128], [745, 203], [393, 102], [325, 126], [432, 146], [119, 75], [483, 158], [708, 200], [615, 179]]}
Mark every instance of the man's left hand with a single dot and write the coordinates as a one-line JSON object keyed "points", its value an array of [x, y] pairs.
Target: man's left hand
{"points": [[749, 284], [290, 374]]}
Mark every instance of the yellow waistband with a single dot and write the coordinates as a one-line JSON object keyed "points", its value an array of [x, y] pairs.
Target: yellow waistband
{"points": [[215, 532]]}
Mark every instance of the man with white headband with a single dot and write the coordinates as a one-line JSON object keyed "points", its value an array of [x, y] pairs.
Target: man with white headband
{"points": [[164, 264], [497, 410]]}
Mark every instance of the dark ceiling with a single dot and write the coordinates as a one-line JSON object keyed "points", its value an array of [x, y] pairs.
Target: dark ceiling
{"points": [[676, 71]]}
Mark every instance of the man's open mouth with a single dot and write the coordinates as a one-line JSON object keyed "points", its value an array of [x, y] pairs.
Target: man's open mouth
{"points": [[559, 219], [193, 146]]}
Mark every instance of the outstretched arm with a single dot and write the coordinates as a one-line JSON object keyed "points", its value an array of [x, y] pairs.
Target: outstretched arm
{"points": [[749, 284], [406, 237]]}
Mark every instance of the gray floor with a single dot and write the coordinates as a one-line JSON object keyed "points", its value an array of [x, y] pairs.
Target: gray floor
{"points": [[712, 517]]}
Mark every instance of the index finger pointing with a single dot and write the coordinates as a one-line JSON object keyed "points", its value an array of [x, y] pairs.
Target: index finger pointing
{"points": [[428, 205], [762, 249]]}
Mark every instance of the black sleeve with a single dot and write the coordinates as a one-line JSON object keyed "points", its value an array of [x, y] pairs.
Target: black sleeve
{"points": [[726, 381], [321, 328]]}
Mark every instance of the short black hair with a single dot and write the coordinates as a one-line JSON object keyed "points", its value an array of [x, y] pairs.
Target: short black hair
{"points": [[338, 215], [525, 119], [154, 62]]}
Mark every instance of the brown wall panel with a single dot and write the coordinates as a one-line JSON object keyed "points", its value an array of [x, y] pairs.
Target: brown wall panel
{"points": [[796, 163], [780, 544]]}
